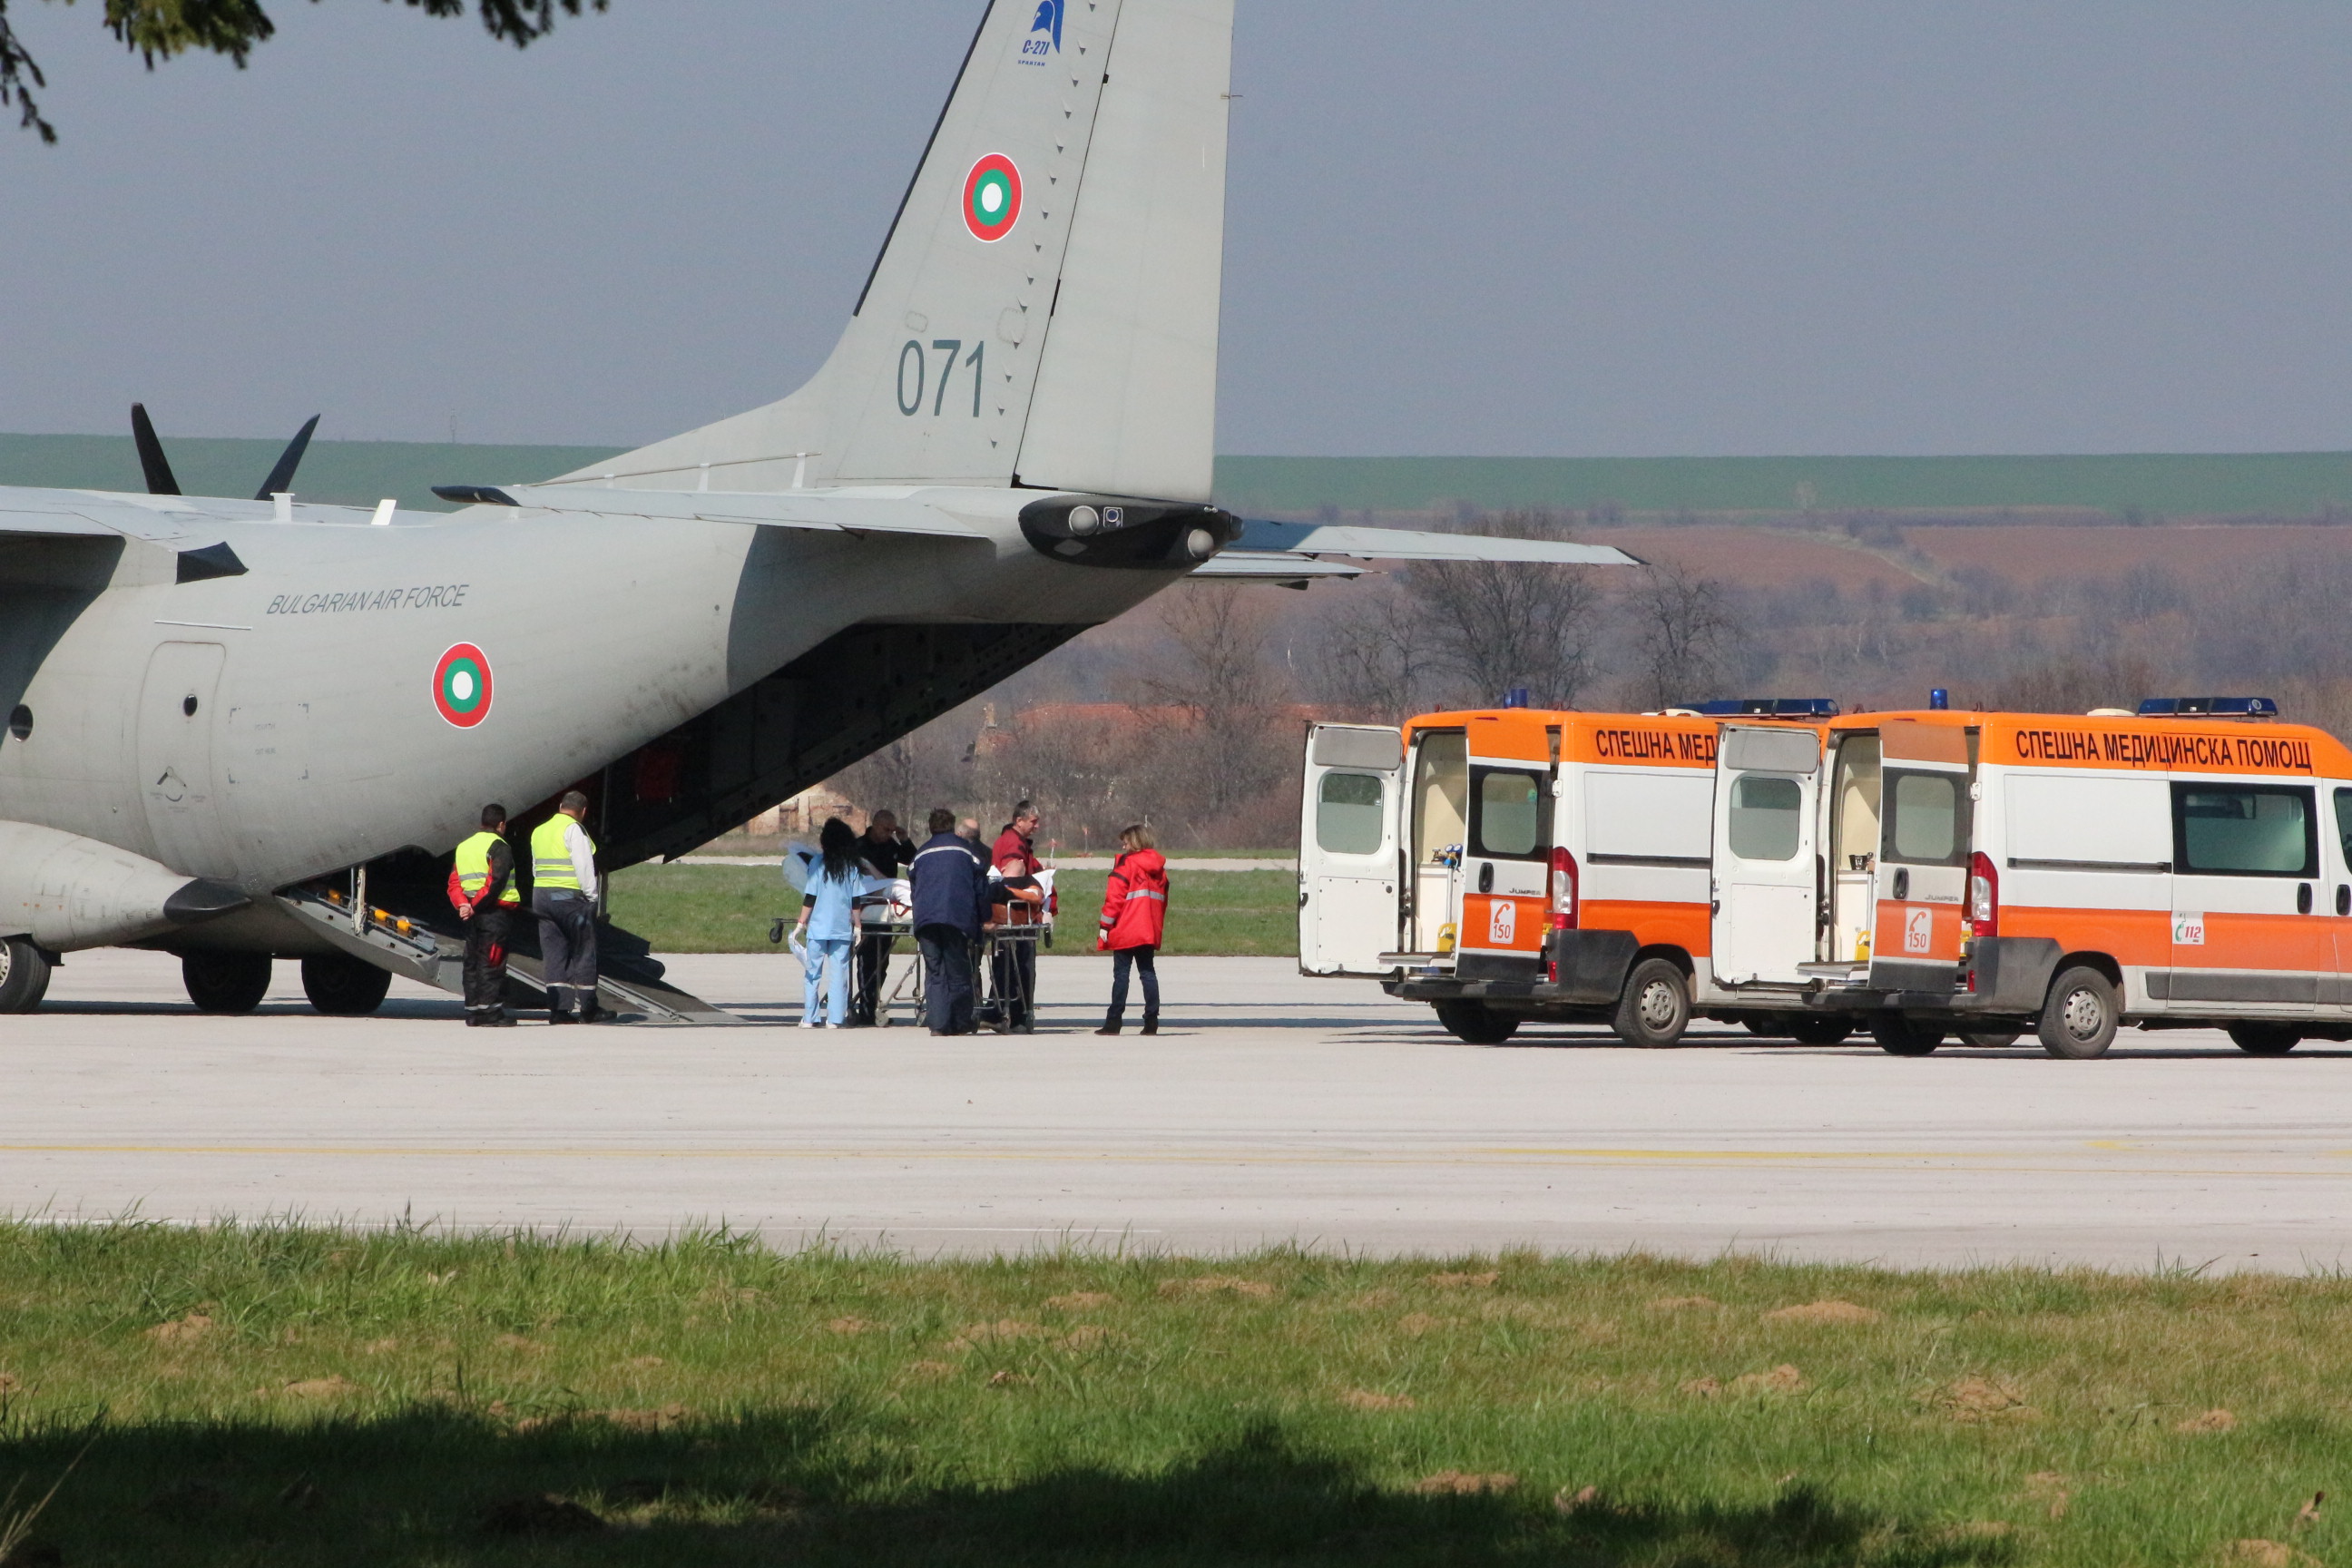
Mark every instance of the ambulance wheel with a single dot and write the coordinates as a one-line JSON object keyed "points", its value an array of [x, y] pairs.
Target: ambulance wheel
{"points": [[1825, 1031], [1475, 1024], [1989, 1040], [2264, 1039], [1900, 1037], [344, 986], [1654, 1008], [2078, 1021], [226, 981], [24, 975]]}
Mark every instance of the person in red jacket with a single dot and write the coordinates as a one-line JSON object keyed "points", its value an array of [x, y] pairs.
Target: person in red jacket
{"points": [[1134, 918]]}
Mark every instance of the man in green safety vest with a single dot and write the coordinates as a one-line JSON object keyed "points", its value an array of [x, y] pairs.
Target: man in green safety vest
{"points": [[563, 896], [482, 887]]}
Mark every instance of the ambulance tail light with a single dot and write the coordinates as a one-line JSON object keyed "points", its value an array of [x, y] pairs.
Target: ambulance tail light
{"points": [[1564, 878], [1984, 898]]}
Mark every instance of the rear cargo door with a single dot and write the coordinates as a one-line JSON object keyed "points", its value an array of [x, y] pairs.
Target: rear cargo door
{"points": [[1766, 878], [1349, 858], [1506, 870], [1925, 821]]}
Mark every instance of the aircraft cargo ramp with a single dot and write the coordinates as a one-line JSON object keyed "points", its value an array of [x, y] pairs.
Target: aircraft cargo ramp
{"points": [[629, 979]]}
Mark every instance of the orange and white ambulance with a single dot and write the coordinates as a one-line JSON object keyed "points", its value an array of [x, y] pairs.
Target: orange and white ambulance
{"points": [[1939, 873], [1517, 863]]}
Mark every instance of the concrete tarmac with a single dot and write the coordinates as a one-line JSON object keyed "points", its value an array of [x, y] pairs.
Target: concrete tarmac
{"points": [[1272, 1110]]}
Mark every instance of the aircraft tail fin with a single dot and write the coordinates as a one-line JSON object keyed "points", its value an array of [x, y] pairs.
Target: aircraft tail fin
{"points": [[1044, 310]]}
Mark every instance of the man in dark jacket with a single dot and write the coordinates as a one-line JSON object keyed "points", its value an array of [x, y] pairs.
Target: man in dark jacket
{"points": [[951, 910], [886, 853]]}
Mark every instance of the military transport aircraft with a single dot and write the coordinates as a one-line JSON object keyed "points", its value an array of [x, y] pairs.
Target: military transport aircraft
{"points": [[241, 730]]}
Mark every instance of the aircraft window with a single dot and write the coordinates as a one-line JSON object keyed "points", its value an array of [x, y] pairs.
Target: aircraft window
{"points": [[1926, 819], [1348, 815], [2244, 829], [188, 705], [1511, 817], [1766, 816], [20, 723]]}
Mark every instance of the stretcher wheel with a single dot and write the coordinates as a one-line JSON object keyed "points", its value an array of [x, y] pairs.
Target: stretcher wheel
{"points": [[2264, 1039], [1655, 1007], [2078, 1021], [1900, 1037], [1475, 1023]]}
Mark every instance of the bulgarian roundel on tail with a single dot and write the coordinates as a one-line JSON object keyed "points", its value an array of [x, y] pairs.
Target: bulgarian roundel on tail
{"points": [[1044, 309]]}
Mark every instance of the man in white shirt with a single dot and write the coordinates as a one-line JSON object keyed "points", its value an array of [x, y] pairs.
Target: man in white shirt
{"points": [[563, 896]]}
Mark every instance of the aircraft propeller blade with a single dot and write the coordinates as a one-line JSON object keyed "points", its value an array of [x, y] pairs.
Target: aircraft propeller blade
{"points": [[160, 481], [282, 478]]}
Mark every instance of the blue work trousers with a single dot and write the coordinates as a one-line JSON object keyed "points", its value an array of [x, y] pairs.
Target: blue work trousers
{"points": [[821, 951], [947, 978]]}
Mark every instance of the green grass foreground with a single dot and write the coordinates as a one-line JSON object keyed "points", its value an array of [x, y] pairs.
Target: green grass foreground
{"points": [[303, 1396], [728, 909]]}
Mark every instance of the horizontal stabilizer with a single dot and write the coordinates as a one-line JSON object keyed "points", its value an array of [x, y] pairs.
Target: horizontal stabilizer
{"points": [[1405, 545], [823, 513]]}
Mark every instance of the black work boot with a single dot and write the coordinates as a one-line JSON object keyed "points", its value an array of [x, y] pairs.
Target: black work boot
{"points": [[1150, 1024], [1110, 1026]]}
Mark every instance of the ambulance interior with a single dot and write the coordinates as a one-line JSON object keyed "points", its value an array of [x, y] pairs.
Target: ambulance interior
{"points": [[1854, 838], [1441, 801]]}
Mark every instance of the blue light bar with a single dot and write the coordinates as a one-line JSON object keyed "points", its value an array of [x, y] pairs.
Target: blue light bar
{"points": [[2217, 707], [1769, 708]]}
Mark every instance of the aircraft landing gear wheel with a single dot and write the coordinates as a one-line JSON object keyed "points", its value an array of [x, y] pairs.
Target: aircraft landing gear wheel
{"points": [[24, 975], [2264, 1039], [226, 981], [343, 986], [1822, 1031], [1475, 1024], [1989, 1040], [1900, 1037], [1654, 1008], [2078, 1021]]}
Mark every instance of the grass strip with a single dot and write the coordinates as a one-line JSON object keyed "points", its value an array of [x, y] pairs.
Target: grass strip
{"points": [[301, 1396], [730, 909]]}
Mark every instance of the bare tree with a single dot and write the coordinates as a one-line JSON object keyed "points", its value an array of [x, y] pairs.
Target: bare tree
{"points": [[1222, 689], [1372, 658], [1495, 624], [1684, 633]]}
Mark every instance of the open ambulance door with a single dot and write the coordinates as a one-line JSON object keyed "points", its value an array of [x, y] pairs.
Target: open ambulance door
{"points": [[1766, 893], [1349, 859], [1925, 819]]}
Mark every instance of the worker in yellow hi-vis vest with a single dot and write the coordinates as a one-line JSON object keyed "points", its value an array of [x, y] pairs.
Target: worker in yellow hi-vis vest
{"points": [[483, 888], [563, 896]]}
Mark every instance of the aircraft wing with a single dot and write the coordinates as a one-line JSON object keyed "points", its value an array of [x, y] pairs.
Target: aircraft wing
{"points": [[1312, 540], [823, 513]]}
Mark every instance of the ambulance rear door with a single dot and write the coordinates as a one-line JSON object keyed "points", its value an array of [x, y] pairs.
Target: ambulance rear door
{"points": [[1927, 815], [1505, 871], [1767, 874], [1349, 857]]}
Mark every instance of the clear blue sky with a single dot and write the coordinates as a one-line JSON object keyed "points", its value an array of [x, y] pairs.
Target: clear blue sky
{"points": [[1526, 226]]}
